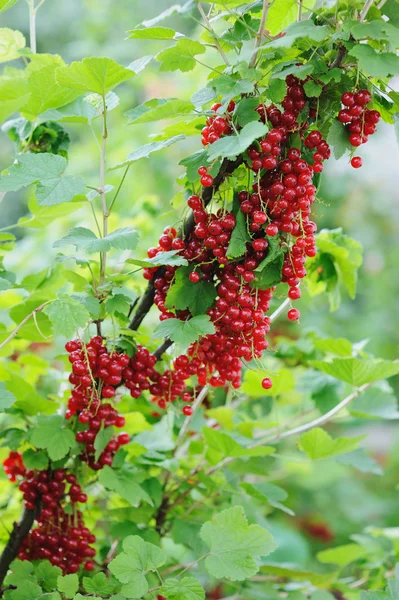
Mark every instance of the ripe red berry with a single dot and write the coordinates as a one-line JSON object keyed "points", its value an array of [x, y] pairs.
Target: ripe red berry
{"points": [[356, 162], [267, 383], [206, 180], [293, 314], [194, 277], [187, 411]]}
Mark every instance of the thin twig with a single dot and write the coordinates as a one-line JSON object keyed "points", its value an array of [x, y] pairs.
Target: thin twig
{"points": [[300, 10], [381, 4], [297, 430], [211, 31], [196, 404], [102, 187], [22, 323], [261, 32], [363, 13]]}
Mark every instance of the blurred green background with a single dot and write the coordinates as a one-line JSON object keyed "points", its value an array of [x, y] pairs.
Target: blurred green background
{"points": [[365, 203]]}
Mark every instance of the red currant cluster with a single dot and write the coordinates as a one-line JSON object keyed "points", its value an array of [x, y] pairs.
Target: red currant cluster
{"points": [[359, 121], [13, 466], [63, 540], [216, 126], [59, 537], [95, 375]]}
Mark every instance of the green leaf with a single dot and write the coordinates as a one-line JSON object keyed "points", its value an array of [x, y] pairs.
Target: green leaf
{"points": [[99, 584], [11, 41], [52, 435], [187, 588], [140, 64], [245, 111], [318, 444], [184, 333], [342, 555], [129, 567], [104, 436], [358, 459], [197, 297], [45, 91], [229, 87], [46, 171], [89, 302], [181, 56], [35, 460], [159, 110], [233, 145], [338, 346], [323, 580], [26, 590], [312, 88], [47, 574], [68, 585], [268, 272], [28, 400], [375, 64], [119, 303], [67, 315], [124, 485], [13, 95], [338, 138], [239, 237], [98, 75], [276, 90], [85, 239], [146, 150], [203, 96], [302, 71], [234, 545], [172, 10], [78, 111], [376, 30], [281, 14], [152, 33], [273, 494], [193, 162], [225, 445], [301, 29], [357, 372], [375, 403], [7, 398], [171, 257]]}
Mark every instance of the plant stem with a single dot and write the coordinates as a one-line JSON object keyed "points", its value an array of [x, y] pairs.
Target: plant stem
{"points": [[22, 323], [32, 25], [118, 190], [103, 157], [381, 4], [261, 32], [300, 10], [367, 5], [196, 404], [297, 430], [212, 32]]}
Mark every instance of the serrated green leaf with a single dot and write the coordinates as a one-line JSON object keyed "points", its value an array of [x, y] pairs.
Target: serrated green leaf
{"points": [[184, 333], [85, 239], [357, 372], [197, 297], [312, 88], [68, 585], [7, 398], [47, 574], [35, 460], [273, 494], [283, 382], [104, 436], [358, 459], [232, 145], [302, 71], [152, 33], [99, 584], [301, 29], [203, 96], [13, 95], [376, 30], [276, 90], [338, 346], [124, 485], [171, 257], [46, 171], [118, 303], [225, 445], [67, 315], [234, 545], [169, 108], [11, 41], [229, 87], [281, 14], [245, 111], [28, 400], [181, 56], [26, 590], [51, 434], [187, 588], [318, 444], [375, 64], [98, 75], [146, 150], [129, 567], [338, 138], [239, 237], [193, 162], [375, 403], [45, 91]]}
